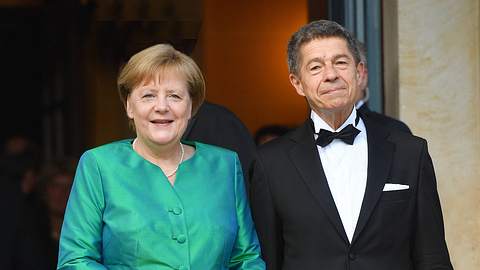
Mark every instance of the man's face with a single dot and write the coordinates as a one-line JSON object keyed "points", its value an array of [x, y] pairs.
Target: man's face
{"points": [[328, 77]]}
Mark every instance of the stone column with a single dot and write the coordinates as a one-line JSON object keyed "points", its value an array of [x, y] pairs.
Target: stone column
{"points": [[439, 98]]}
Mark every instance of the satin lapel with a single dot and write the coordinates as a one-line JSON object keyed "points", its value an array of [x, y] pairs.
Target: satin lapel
{"points": [[380, 153], [304, 156]]}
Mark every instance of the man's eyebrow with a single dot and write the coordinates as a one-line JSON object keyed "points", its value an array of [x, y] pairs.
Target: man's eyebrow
{"points": [[315, 59], [321, 60], [336, 57]]}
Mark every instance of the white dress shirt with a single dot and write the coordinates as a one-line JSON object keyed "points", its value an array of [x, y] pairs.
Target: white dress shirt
{"points": [[345, 167]]}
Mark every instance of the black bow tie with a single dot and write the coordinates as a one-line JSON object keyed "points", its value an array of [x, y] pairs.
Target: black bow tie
{"points": [[347, 134]]}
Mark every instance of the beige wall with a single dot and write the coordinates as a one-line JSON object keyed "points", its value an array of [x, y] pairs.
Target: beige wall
{"points": [[438, 65]]}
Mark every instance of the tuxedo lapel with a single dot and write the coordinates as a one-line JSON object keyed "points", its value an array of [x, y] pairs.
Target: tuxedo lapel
{"points": [[380, 152], [305, 158]]}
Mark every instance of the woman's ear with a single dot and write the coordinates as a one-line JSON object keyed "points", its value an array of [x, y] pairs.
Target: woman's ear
{"points": [[128, 108]]}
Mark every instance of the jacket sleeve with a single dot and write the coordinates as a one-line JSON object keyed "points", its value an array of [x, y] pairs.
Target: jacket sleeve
{"points": [[266, 220], [430, 249], [246, 250], [81, 236]]}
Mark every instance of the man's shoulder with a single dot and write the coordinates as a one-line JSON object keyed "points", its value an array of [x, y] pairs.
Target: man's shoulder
{"points": [[405, 142], [387, 121], [405, 138]]}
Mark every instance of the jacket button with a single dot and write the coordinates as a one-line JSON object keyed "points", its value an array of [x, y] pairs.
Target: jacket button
{"points": [[177, 211], [352, 256], [181, 238]]}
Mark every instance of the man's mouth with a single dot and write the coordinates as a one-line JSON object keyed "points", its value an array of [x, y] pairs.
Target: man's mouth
{"points": [[332, 90]]}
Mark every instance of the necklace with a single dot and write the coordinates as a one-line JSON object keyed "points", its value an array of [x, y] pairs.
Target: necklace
{"points": [[180, 161]]}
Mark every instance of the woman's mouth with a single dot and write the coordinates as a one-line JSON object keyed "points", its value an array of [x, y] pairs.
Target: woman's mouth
{"points": [[161, 121]]}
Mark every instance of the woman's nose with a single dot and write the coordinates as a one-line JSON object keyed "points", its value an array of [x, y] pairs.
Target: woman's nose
{"points": [[161, 104]]}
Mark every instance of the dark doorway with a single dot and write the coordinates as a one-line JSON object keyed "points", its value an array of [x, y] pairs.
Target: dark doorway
{"points": [[21, 70]]}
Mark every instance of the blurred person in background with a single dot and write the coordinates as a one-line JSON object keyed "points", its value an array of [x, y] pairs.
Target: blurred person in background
{"points": [[55, 183], [269, 132], [21, 246], [217, 125], [20, 164]]}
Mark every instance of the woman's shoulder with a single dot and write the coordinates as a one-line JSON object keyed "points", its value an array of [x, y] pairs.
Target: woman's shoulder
{"points": [[213, 150], [214, 154], [111, 149]]}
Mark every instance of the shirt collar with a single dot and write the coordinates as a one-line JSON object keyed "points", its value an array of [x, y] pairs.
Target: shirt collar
{"points": [[319, 123], [359, 104]]}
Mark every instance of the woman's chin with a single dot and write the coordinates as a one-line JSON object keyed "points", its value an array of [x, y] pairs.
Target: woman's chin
{"points": [[165, 140]]}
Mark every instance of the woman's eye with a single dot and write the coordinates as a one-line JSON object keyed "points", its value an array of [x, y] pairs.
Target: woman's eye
{"points": [[315, 68], [175, 96], [148, 96]]}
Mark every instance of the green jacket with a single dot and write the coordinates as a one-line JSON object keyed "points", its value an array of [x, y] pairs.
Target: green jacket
{"points": [[124, 214]]}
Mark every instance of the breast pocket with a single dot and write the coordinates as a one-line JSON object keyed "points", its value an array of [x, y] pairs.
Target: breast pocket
{"points": [[395, 196], [393, 212]]}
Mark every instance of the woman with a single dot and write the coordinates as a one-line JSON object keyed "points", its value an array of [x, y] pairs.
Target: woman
{"points": [[156, 202]]}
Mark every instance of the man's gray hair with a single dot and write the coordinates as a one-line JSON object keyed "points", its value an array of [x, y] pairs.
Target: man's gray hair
{"points": [[314, 30]]}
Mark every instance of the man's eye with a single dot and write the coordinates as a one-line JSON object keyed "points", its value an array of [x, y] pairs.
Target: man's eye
{"points": [[315, 68]]}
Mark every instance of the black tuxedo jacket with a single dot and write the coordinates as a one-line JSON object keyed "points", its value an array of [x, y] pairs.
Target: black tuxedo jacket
{"points": [[298, 224]]}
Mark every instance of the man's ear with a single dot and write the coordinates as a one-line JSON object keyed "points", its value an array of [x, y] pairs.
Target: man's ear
{"points": [[360, 70], [295, 81]]}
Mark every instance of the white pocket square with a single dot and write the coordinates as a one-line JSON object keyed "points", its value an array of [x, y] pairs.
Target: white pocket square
{"points": [[392, 187]]}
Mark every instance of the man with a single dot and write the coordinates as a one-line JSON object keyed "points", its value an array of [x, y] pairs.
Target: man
{"points": [[362, 97], [364, 198]]}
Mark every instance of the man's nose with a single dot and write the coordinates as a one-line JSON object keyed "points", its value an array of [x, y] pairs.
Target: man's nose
{"points": [[331, 73]]}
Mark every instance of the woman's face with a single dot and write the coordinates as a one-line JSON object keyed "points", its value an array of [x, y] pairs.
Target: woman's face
{"points": [[160, 109]]}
